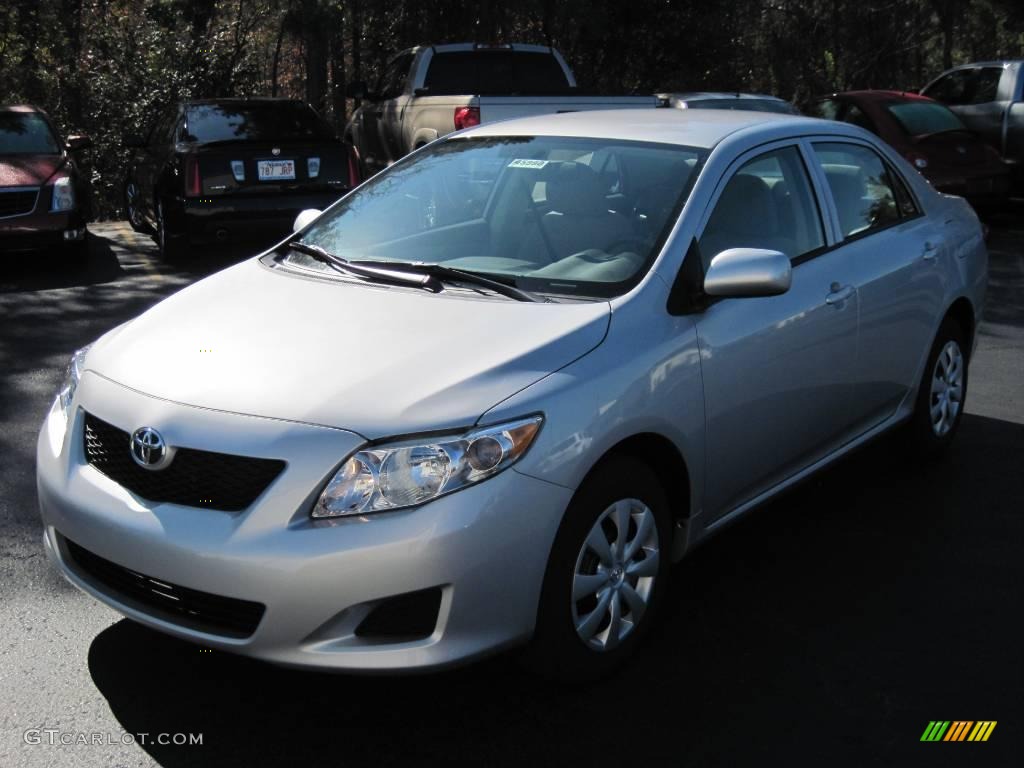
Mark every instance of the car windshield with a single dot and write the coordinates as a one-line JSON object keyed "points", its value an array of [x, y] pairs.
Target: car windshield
{"points": [[919, 118], [752, 105], [565, 216], [270, 121], [26, 133]]}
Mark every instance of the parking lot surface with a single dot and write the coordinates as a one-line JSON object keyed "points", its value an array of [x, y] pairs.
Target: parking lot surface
{"points": [[827, 629]]}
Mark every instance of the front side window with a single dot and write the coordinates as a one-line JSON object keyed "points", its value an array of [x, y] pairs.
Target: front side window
{"points": [[392, 81], [26, 133], [861, 187], [767, 203], [544, 213]]}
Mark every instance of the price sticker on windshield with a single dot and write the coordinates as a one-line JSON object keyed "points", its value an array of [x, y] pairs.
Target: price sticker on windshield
{"points": [[527, 163]]}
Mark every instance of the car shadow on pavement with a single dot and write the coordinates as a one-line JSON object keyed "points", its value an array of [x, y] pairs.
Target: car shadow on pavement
{"points": [[45, 270], [826, 628]]}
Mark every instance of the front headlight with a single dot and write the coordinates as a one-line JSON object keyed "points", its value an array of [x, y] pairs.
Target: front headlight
{"points": [[391, 477], [71, 378], [63, 195]]}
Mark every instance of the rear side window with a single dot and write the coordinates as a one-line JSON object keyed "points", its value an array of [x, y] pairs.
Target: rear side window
{"points": [[861, 186], [919, 118], [767, 203], [951, 88], [498, 72], [392, 80], [268, 121], [986, 85]]}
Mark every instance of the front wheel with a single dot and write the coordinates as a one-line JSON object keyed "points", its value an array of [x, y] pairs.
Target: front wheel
{"points": [[606, 573], [940, 398]]}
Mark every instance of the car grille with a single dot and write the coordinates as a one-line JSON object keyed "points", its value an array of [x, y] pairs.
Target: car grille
{"points": [[213, 614], [194, 478], [17, 202]]}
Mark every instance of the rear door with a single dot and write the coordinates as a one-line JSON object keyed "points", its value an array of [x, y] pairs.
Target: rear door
{"points": [[891, 252], [777, 370]]}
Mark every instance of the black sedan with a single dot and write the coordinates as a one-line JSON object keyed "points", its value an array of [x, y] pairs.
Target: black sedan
{"points": [[211, 171]]}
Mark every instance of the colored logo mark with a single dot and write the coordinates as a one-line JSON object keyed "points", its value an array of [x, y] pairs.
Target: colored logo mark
{"points": [[958, 730]]}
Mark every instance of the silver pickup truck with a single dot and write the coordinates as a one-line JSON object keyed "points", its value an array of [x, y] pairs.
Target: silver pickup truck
{"points": [[429, 91], [989, 98]]}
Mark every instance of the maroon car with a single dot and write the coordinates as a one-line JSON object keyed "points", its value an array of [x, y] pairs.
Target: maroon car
{"points": [[952, 157], [44, 199]]}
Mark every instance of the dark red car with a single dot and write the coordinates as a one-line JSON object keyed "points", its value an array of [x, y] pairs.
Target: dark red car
{"points": [[952, 157], [44, 198]]}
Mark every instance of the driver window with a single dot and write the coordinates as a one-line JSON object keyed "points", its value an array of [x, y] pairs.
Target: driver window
{"points": [[768, 203]]}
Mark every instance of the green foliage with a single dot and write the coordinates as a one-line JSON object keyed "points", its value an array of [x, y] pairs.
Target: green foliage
{"points": [[107, 67]]}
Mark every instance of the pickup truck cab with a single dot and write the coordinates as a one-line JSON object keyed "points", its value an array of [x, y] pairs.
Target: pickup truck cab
{"points": [[429, 91], [989, 97]]}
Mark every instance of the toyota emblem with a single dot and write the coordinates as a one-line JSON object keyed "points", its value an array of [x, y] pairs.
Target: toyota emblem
{"points": [[275, 151], [148, 448]]}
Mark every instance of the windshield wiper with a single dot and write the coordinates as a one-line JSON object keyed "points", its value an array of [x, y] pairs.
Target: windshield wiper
{"points": [[451, 274], [426, 281]]}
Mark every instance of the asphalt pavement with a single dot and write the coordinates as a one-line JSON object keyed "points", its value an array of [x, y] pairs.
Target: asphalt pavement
{"points": [[826, 629]]}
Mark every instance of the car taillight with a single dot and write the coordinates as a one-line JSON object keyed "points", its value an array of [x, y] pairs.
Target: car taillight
{"points": [[466, 117], [353, 167], [193, 184]]}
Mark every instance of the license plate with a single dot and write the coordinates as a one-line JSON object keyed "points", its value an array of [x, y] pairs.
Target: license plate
{"points": [[272, 170]]}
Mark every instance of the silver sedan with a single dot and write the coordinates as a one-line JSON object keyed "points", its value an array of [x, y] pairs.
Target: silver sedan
{"points": [[486, 398]]}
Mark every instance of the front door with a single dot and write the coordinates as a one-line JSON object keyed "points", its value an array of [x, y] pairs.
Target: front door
{"points": [[777, 370]]}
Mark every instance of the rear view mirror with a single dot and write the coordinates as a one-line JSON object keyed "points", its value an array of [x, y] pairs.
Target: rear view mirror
{"points": [[134, 140], [305, 218], [740, 272], [77, 142]]}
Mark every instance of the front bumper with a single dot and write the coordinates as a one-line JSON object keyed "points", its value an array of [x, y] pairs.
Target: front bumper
{"points": [[248, 218], [486, 547], [41, 231]]}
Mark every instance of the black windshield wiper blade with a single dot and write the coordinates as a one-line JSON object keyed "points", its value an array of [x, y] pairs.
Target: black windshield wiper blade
{"points": [[426, 281], [441, 272]]}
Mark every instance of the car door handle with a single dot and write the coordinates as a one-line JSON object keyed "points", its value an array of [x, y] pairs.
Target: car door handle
{"points": [[931, 250], [839, 293]]}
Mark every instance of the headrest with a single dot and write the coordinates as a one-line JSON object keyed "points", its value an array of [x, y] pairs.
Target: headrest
{"points": [[745, 207], [575, 188]]}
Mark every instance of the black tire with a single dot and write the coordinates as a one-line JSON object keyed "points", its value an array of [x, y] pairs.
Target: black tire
{"points": [[926, 438], [171, 245], [557, 651], [132, 212]]}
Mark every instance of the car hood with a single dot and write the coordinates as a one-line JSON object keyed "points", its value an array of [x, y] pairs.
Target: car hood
{"points": [[376, 360], [28, 170]]}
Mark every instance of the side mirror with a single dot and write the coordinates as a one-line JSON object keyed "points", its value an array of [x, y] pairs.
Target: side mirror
{"points": [[356, 89], [740, 272], [77, 142], [305, 218], [134, 140]]}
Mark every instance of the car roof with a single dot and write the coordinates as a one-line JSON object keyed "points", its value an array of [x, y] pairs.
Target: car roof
{"points": [[880, 95], [235, 101], [993, 63], [709, 95], [26, 108], [703, 128]]}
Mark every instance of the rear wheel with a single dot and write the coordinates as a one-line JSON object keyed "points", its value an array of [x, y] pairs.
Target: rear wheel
{"points": [[131, 207], [606, 574], [171, 244], [940, 398]]}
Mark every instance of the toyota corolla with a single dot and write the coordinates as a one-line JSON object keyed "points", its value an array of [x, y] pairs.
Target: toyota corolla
{"points": [[488, 397]]}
